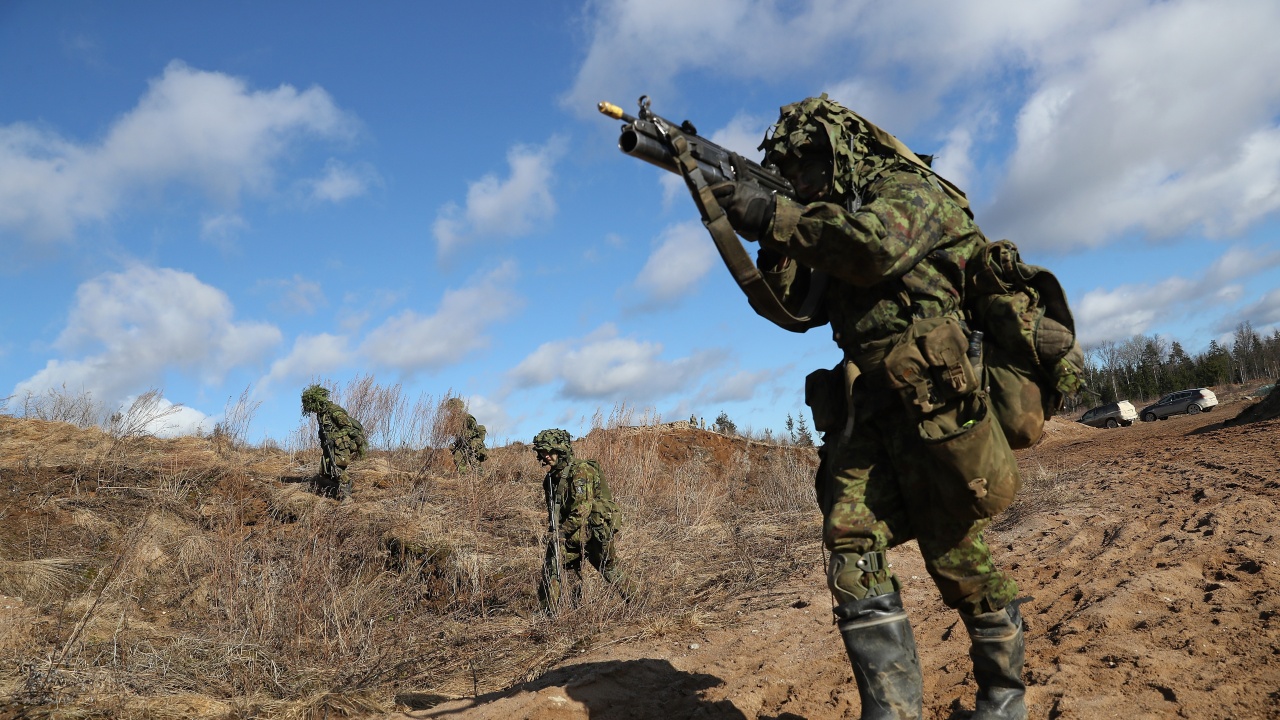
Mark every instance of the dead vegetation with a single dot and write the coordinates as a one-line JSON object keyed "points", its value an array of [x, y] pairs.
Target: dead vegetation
{"points": [[201, 577]]}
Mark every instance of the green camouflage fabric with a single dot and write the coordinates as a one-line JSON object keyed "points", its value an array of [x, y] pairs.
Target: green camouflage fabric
{"points": [[587, 518], [468, 447], [554, 440], [878, 283], [1033, 359], [342, 439], [898, 258]]}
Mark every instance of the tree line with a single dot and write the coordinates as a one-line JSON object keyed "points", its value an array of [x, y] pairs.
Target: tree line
{"points": [[1147, 366]]}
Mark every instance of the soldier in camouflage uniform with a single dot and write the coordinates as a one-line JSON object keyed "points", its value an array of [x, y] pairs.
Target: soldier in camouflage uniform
{"points": [[468, 446], [892, 239], [342, 440], [583, 519]]}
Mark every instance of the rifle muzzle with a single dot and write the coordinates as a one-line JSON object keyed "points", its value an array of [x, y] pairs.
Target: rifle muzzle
{"points": [[639, 144]]}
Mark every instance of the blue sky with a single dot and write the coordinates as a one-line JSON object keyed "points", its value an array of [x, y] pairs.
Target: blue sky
{"points": [[207, 197]]}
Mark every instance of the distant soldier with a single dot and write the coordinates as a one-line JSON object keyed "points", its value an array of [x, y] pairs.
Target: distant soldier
{"points": [[468, 446], [342, 440], [583, 519]]}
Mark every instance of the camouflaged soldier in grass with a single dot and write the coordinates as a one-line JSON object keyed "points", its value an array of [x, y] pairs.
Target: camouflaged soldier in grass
{"points": [[905, 423], [342, 440], [583, 520], [468, 446]]}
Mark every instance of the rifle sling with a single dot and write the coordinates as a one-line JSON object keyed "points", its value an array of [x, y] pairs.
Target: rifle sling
{"points": [[744, 270]]}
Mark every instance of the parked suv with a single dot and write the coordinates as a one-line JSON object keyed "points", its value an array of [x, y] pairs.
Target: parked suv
{"points": [[1111, 415], [1183, 401]]}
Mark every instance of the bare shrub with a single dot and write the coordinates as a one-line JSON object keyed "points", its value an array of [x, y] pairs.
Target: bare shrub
{"points": [[145, 417], [236, 418], [62, 405]]}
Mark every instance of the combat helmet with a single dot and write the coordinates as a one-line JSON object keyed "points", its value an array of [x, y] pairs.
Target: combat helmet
{"points": [[314, 399], [860, 151], [554, 440]]}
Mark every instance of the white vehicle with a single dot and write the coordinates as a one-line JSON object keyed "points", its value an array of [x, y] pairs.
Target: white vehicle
{"points": [[1111, 415], [1184, 401]]}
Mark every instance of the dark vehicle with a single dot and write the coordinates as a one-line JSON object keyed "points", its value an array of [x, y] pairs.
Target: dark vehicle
{"points": [[1183, 401], [1111, 415]]}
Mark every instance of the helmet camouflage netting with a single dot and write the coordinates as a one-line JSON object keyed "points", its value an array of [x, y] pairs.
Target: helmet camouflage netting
{"points": [[860, 150], [314, 398], [553, 440]]}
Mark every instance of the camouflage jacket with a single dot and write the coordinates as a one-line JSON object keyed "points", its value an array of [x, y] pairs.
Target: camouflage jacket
{"points": [[577, 491], [900, 256], [341, 432]]}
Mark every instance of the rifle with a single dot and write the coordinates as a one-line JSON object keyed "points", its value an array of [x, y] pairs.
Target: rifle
{"points": [[328, 468], [553, 508], [648, 137], [702, 163]]}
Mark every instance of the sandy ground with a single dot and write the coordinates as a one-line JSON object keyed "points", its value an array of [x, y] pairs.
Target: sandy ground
{"points": [[1151, 557]]}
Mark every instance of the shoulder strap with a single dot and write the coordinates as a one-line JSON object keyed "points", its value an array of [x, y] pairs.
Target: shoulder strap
{"points": [[740, 265]]}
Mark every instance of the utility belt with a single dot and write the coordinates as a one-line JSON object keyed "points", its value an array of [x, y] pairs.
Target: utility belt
{"points": [[930, 370]]}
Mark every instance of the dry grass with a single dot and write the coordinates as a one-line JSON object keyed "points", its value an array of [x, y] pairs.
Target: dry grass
{"points": [[207, 571], [1044, 490]]}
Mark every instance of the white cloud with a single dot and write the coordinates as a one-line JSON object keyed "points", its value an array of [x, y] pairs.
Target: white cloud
{"points": [[341, 182], [684, 254], [1264, 314], [504, 208], [493, 415], [410, 342], [206, 130], [603, 365], [128, 329], [297, 294], [1154, 117], [1162, 124], [636, 48], [1128, 310], [737, 387], [311, 356], [221, 229]]}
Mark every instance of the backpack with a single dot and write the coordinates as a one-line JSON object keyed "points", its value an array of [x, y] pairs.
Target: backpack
{"points": [[604, 511], [1030, 357]]}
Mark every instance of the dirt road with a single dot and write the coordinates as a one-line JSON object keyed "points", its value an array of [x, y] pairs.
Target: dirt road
{"points": [[1150, 552]]}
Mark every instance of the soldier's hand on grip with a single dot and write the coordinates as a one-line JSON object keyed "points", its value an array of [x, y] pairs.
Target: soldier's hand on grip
{"points": [[748, 207]]}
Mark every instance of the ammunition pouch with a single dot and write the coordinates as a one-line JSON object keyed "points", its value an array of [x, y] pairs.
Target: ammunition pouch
{"points": [[824, 394], [978, 472], [930, 369]]}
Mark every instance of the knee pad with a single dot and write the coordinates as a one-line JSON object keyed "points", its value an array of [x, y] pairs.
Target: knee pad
{"points": [[854, 576]]}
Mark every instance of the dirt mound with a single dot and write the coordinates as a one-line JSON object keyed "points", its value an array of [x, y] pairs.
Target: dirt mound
{"points": [[1268, 408]]}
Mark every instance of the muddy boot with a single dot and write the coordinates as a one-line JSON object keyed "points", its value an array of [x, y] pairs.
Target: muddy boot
{"points": [[877, 635], [344, 491], [998, 653]]}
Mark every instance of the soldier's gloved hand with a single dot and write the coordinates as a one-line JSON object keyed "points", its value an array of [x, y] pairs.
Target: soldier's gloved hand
{"points": [[749, 207]]}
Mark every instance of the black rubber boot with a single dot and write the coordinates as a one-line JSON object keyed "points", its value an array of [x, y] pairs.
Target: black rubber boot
{"points": [[877, 635], [998, 653]]}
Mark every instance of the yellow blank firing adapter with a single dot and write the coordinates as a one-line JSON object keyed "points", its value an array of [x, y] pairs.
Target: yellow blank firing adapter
{"points": [[610, 109]]}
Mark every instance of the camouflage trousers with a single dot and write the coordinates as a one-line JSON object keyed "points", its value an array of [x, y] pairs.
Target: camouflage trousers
{"points": [[598, 549], [468, 455], [878, 488], [334, 480]]}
